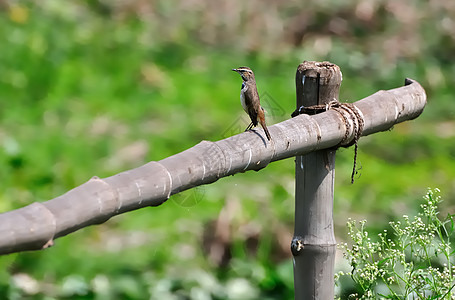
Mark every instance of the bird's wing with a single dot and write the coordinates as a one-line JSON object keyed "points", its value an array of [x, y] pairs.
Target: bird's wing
{"points": [[252, 110]]}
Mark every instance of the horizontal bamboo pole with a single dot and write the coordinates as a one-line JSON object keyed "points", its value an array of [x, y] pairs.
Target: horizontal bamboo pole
{"points": [[35, 226]]}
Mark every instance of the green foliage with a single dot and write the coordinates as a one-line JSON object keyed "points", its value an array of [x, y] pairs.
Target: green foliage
{"points": [[414, 261]]}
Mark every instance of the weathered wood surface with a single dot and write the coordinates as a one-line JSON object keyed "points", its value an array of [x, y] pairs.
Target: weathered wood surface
{"points": [[316, 84]]}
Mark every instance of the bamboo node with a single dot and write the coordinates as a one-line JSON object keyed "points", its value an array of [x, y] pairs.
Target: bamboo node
{"points": [[297, 245]]}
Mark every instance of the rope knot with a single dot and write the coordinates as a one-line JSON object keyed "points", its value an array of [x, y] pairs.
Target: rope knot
{"points": [[353, 121]]}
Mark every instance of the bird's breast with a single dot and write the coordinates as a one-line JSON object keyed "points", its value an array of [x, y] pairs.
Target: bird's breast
{"points": [[242, 96]]}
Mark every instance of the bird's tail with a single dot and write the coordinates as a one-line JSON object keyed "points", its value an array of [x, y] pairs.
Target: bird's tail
{"points": [[262, 121], [266, 131]]}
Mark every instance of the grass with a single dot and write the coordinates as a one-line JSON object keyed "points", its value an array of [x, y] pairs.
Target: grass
{"points": [[84, 94]]}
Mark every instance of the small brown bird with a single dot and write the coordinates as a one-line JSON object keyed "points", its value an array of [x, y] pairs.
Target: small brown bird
{"points": [[249, 98]]}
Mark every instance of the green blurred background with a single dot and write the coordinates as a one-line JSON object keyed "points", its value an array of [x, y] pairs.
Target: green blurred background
{"points": [[98, 87]]}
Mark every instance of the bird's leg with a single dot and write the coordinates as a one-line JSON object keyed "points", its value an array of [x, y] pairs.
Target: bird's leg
{"points": [[249, 126]]}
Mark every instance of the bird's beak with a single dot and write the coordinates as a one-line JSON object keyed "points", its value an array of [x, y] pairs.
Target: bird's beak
{"points": [[235, 70]]}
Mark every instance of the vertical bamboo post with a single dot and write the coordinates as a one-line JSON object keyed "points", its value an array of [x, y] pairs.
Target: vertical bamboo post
{"points": [[313, 245]]}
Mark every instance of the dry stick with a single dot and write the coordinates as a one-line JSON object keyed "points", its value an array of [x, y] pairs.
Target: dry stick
{"points": [[37, 225]]}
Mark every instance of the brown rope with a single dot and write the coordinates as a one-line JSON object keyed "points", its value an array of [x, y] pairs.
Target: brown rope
{"points": [[358, 123], [342, 108]]}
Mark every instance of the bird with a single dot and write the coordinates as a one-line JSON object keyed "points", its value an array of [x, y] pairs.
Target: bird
{"points": [[249, 98]]}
